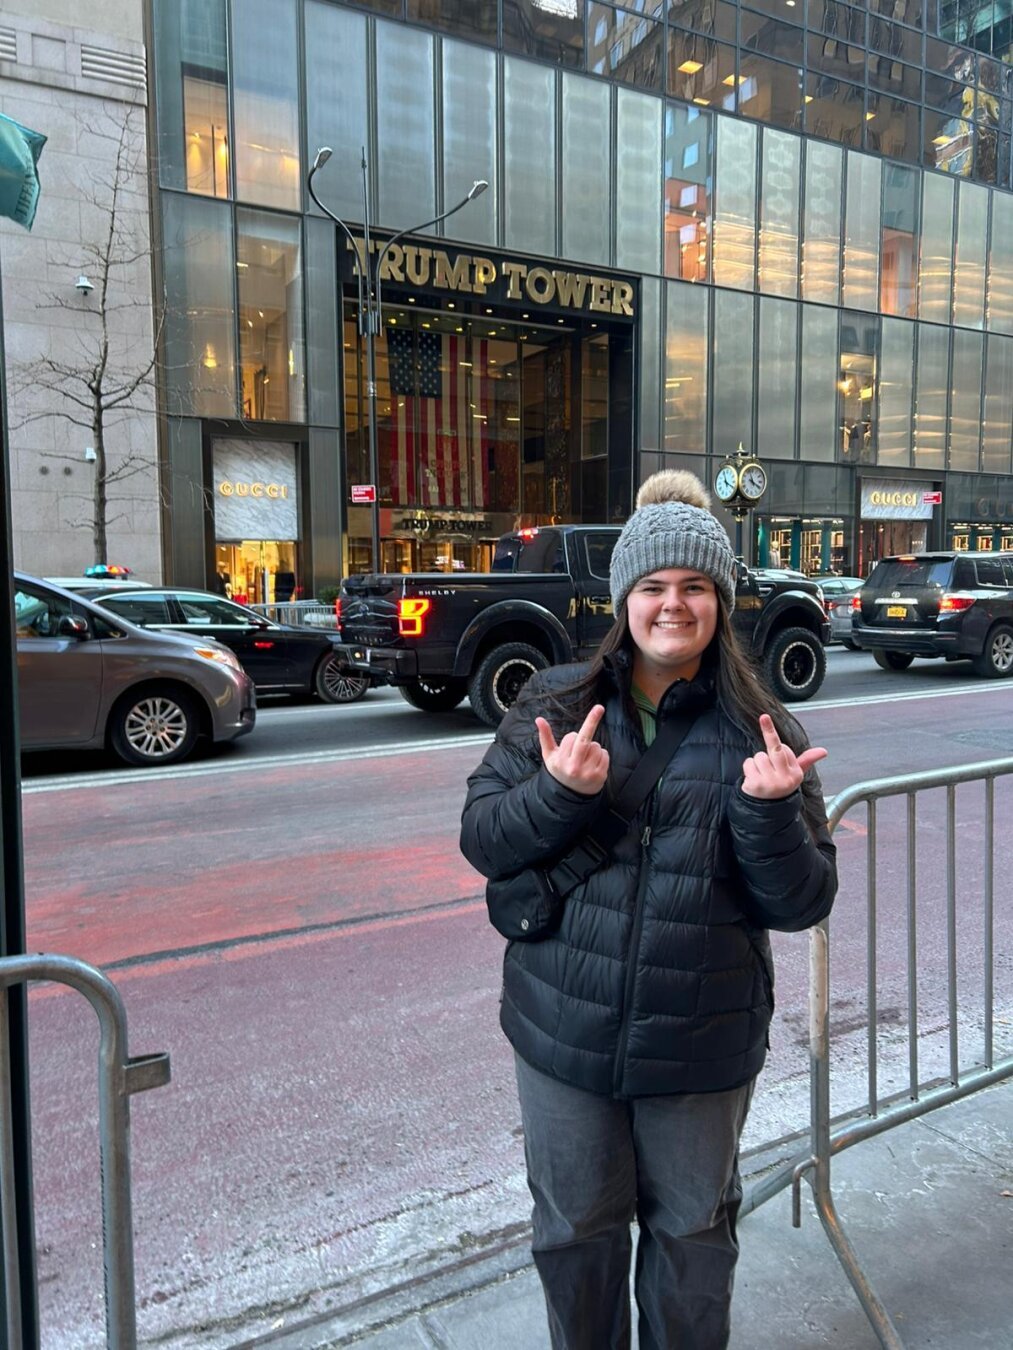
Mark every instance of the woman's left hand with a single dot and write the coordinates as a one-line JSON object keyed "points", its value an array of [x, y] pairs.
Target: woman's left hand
{"points": [[777, 771]]}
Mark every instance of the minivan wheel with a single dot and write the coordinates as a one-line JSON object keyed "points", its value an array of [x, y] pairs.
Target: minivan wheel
{"points": [[996, 661], [500, 676], [335, 683], [892, 660], [154, 726], [795, 664]]}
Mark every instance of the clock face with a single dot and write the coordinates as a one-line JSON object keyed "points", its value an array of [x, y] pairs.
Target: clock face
{"points": [[754, 481], [726, 483]]}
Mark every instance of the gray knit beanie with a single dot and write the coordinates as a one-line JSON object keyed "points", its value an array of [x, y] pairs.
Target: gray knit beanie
{"points": [[672, 526]]}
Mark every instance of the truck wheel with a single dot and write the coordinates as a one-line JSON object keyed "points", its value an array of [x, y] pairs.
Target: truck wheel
{"points": [[795, 664], [156, 725], [996, 661], [892, 660], [500, 676], [434, 695]]}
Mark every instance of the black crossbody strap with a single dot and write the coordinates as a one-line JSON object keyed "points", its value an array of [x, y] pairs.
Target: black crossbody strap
{"points": [[592, 850]]}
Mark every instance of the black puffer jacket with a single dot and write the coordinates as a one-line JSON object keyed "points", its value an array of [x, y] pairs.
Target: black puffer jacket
{"points": [[659, 978]]}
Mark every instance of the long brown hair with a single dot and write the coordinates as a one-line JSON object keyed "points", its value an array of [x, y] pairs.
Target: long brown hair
{"points": [[742, 695]]}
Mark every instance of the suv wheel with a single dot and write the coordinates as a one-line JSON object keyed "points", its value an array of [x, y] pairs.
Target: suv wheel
{"points": [[892, 660], [795, 664], [434, 696], [500, 676], [996, 661], [154, 726], [336, 684]]}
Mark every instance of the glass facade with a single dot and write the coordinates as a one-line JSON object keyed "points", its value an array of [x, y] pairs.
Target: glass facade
{"points": [[809, 208]]}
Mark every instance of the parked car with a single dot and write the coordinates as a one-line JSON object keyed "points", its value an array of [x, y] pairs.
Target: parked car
{"points": [[88, 680], [953, 605], [837, 593], [278, 657]]}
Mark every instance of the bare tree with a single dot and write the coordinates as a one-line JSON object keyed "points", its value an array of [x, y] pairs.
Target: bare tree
{"points": [[105, 371]]}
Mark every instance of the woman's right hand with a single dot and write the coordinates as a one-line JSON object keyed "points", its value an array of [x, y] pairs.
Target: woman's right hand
{"points": [[578, 761]]}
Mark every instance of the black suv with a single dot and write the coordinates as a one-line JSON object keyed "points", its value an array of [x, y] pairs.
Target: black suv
{"points": [[954, 605]]}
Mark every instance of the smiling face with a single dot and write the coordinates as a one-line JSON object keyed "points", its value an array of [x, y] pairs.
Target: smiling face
{"points": [[672, 616]]}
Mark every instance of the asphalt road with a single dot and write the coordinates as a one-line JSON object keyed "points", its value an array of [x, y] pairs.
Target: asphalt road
{"points": [[292, 921]]}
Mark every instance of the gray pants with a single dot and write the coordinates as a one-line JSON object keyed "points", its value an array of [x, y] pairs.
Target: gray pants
{"points": [[594, 1164]]}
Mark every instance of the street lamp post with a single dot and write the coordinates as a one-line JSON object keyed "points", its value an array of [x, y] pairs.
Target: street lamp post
{"points": [[369, 307]]}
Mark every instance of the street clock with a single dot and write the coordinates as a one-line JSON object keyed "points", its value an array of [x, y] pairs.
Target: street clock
{"points": [[741, 481]]}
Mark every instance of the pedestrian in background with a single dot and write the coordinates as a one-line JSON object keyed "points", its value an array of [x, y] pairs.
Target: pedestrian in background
{"points": [[639, 1013]]}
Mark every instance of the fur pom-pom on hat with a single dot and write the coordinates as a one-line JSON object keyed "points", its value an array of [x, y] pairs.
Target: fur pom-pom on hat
{"points": [[672, 526]]}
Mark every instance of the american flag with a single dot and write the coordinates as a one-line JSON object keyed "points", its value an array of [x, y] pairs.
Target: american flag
{"points": [[438, 435]]}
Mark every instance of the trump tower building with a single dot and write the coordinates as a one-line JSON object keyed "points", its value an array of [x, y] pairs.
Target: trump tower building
{"points": [[786, 224]]}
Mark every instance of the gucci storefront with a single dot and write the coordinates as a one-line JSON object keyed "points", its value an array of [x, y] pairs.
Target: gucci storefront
{"points": [[256, 521]]}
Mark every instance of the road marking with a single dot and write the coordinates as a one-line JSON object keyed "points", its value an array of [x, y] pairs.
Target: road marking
{"points": [[478, 738]]}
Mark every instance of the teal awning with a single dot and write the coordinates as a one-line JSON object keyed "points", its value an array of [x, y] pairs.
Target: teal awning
{"points": [[19, 178]]}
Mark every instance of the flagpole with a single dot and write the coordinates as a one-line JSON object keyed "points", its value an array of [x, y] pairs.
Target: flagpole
{"points": [[370, 311]]}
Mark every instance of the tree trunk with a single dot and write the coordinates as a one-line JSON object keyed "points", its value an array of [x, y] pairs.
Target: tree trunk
{"points": [[100, 496]]}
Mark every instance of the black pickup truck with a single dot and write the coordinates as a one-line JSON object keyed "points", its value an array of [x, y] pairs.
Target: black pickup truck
{"points": [[440, 636]]}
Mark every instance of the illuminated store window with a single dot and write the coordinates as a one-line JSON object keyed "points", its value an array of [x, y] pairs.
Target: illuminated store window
{"points": [[688, 177], [965, 400], [1000, 265], [206, 114], [735, 204], [686, 343], [969, 256], [821, 223], [264, 46], [856, 388], [896, 389], [191, 58], [935, 267], [861, 231], [779, 197], [898, 282], [931, 387], [998, 418], [271, 357]]}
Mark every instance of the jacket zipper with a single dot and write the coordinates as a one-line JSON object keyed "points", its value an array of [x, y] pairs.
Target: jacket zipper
{"points": [[638, 924]]}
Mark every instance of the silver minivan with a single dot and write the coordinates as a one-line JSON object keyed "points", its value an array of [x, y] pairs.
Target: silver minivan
{"points": [[88, 680]]}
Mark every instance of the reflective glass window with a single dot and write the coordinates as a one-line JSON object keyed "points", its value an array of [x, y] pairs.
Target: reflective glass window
{"points": [[856, 388], [894, 41], [948, 143], [732, 415], [821, 222], [783, 41], [998, 419], [990, 75], [861, 232], [896, 390], [831, 56], [893, 127], [650, 364], [549, 32], [466, 18], [393, 9], [735, 204], [1000, 265], [192, 88], [818, 383], [953, 63], [638, 181], [834, 111], [948, 95], [931, 390], [625, 47], [529, 157], [843, 22], [965, 400], [271, 361], [987, 140], [777, 376], [406, 132], [586, 165], [701, 71], [898, 282], [780, 156], [770, 92], [780, 9], [689, 171], [716, 18], [969, 256], [686, 345], [905, 11], [469, 140], [199, 269], [935, 268], [265, 78], [336, 103], [891, 76]]}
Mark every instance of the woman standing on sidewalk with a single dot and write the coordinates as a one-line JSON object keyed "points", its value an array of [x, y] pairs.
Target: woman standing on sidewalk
{"points": [[639, 1016]]}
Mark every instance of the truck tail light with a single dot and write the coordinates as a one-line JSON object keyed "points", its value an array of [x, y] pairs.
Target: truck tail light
{"points": [[411, 616], [953, 604]]}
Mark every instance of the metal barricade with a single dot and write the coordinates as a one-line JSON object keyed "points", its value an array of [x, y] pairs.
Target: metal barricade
{"points": [[300, 613], [120, 1075], [828, 1137]]}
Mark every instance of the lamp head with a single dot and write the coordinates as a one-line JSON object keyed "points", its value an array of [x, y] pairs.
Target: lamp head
{"points": [[321, 157], [477, 188], [84, 285]]}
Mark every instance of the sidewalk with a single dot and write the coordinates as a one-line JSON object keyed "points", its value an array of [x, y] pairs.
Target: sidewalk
{"points": [[922, 1204]]}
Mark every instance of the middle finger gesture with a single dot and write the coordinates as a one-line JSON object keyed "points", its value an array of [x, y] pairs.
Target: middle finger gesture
{"points": [[578, 761]]}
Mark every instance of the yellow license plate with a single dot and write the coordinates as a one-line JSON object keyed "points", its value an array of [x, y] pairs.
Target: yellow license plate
{"points": [[896, 611]]}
